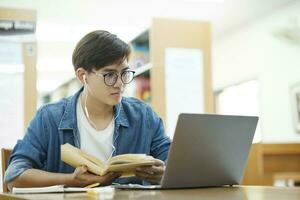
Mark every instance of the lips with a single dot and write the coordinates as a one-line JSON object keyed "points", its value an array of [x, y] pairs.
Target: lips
{"points": [[116, 93]]}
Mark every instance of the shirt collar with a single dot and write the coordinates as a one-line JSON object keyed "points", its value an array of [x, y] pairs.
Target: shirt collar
{"points": [[69, 118], [120, 116]]}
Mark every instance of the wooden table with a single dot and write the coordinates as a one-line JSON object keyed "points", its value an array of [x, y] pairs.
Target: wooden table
{"points": [[233, 193]]}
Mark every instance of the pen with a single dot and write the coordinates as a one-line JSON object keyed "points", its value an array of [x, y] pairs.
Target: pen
{"points": [[92, 185]]}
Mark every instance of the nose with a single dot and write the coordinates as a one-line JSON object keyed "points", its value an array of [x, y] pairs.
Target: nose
{"points": [[119, 83]]}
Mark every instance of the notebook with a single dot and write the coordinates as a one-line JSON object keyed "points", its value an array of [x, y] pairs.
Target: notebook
{"points": [[61, 189], [50, 189]]}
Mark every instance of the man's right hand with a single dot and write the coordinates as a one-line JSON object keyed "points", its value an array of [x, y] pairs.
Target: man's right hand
{"points": [[81, 178]]}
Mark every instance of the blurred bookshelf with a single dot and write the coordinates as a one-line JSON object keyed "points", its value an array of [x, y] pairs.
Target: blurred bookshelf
{"points": [[142, 84], [140, 51], [143, 69], [140, 63]]}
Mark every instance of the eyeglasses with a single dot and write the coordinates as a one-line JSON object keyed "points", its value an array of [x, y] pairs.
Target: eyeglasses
{"points": [[111, 78]]}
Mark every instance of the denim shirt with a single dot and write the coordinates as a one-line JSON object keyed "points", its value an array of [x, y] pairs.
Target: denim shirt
{"points": [[138, 129]]}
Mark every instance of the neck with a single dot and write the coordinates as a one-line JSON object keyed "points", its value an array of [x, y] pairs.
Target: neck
{"points": [[96, 109]]}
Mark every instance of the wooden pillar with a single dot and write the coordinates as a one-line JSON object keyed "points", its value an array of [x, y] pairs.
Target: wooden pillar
{"points": [[30, 78]]}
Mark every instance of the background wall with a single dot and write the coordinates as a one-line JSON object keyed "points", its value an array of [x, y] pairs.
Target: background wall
{"points": [[256, 51]]}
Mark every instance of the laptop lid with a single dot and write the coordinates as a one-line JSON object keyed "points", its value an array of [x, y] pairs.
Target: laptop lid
{"points": [[208, 150]]}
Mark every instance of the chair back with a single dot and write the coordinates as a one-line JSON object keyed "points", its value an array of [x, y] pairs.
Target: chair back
{"points": [[5, 154]]}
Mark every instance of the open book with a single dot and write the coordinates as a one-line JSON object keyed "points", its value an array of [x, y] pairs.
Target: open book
{"points": [[125, 163]]}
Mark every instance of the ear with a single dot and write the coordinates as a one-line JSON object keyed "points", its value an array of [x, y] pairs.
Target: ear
{"points": [[81, 75]]}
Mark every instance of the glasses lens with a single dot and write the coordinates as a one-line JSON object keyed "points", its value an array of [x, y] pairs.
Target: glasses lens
{"points": [[127, 76], [110, 78]]}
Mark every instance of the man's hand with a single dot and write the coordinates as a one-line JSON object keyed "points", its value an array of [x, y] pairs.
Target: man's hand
{"points": [[81, 177], [153, 173]]}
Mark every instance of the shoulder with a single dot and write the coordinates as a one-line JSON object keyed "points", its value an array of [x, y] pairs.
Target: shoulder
{"points": [[137, 110], [54, 107], [53, 110], [131, 104]]}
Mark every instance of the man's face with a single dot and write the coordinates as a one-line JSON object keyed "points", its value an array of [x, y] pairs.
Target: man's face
{"points": [[110, 95]]}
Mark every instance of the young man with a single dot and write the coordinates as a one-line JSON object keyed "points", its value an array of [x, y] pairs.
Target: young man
{"points": [[96, 119]]}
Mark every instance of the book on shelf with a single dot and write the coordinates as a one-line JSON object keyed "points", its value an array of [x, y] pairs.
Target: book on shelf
{"points": [[140, 55], [143, 90], [125, 163]]}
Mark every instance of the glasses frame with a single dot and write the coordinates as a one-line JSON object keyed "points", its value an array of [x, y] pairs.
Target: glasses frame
{"points": [[117, 76]]}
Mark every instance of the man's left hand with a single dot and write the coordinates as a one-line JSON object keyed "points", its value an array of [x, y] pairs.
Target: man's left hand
{"points": [[153, 173]]}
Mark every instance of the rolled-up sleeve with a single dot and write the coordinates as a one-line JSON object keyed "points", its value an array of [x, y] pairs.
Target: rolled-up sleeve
{"points": [[16, 168], [30, 152]]}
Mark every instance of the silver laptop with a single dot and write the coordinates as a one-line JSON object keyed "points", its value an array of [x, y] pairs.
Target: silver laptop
{"points": [[207, 150]]}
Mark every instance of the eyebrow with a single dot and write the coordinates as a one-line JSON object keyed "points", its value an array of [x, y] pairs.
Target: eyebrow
{"points": [[114, 70]]}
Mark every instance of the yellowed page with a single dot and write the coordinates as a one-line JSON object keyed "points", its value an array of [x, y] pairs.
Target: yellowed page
{"points": [[129, 168], [73, 157], [128, 158], [91, 158]]}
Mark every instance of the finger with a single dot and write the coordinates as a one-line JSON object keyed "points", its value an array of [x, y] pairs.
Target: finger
{"points": [[148, 176], [81, 170], [110, 178], [151, 178], [158, 170], [84, 169], [115, 175], [107, 178], [92, 178], [147, 170], [152, 169], [159, 162]]}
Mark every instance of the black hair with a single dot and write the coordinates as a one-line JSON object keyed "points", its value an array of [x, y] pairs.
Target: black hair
{"points": [[98, 49]]}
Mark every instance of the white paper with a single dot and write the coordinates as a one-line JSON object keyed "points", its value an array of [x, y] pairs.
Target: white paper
{"points": [[184, 84], [49, 189], [107, 190]]}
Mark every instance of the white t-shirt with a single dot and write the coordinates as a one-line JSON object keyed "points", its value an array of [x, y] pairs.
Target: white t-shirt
{"points": [[96, 143]]}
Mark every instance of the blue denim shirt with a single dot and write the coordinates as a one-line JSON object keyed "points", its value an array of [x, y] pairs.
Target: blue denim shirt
{"points": [[138, 129]]}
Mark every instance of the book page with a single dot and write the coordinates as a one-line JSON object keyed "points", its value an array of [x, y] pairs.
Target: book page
{"points": [[128, 169], [75, 158], [125, 158]]}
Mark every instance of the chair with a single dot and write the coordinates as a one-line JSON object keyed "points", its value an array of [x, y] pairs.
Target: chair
{"points": [[5, 154]]}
